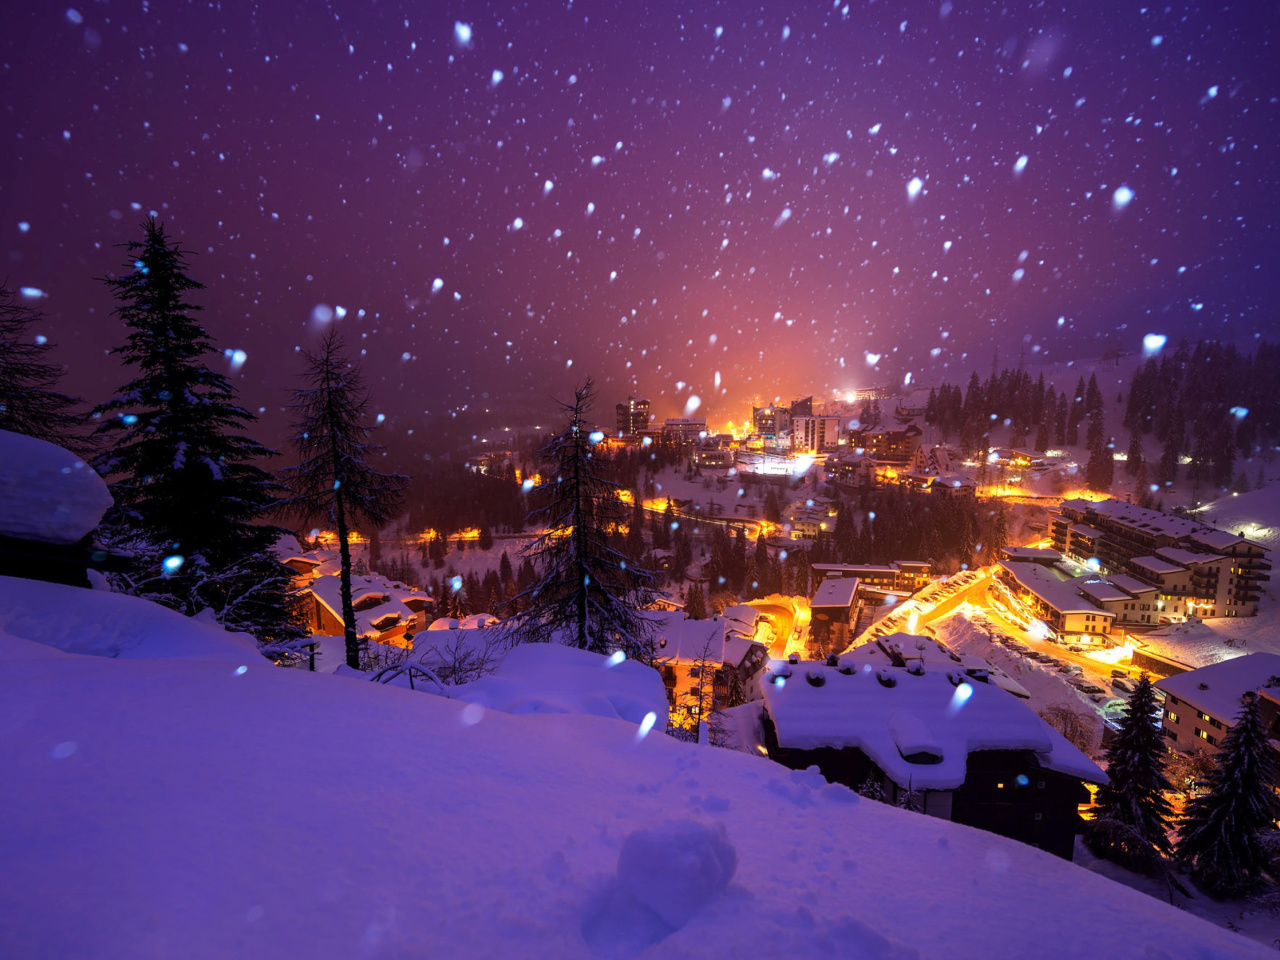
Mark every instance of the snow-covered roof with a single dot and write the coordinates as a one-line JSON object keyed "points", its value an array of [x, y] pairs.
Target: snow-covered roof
{"points": [[1158, 566], [1141, 518], [835, 592], [1043, 554], [47, 493], [328, 590], [678, 639], [553, 678], [891, 714], [1062, 595], [1103, 591], [1086, 531], [1217, 688], [1218, 540], [1186, 557], [1131, 585]]}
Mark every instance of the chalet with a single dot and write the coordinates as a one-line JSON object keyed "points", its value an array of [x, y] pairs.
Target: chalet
{"points": [[684, 650], [960, 750], [1200, 706], [386, 612]]}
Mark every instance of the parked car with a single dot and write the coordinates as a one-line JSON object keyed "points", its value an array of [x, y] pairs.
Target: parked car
{"points": [[1092, 689], [1121, 684], [1076, 648], [1122, 674], [1114, 709]]}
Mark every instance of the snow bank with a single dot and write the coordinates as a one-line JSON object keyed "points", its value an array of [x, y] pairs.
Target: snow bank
{"points": [[178, 808], [101, 624], [551, 678], [48, 493]]}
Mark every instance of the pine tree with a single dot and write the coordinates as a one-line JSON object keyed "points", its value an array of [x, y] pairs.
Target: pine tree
{"points": [[1132, 812], [189, 493], [1220, 836], [587, 593], [30, 402], [333, 478], [635, 532], [662, 532], [695, 604]]}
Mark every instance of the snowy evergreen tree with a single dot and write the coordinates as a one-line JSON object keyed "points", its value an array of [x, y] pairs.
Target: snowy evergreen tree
{"points": [[30, 402], [190, 496], [695, 603], [1221, 836], [333, 478], [587, 593], [1132, 814]]}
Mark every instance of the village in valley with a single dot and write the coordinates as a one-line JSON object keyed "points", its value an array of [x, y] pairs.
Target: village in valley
{"points": [[798, 619]]}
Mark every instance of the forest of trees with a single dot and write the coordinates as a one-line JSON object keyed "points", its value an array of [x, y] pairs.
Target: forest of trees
{"points": [[1207, 402]]}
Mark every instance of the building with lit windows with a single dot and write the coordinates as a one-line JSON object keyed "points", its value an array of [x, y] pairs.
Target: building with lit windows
{"points": [[633, 417], [814, 435], [1200, 706], [1199, 571]]}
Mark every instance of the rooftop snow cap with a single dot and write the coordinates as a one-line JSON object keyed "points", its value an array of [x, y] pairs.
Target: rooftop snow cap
{"points": [[47, 493]]}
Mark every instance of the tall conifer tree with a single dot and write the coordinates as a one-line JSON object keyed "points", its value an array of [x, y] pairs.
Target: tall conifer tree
{"points": [[1220, 838], [587, 593], [30, 402], [189, 490], [334, 479], [1132, 812]]}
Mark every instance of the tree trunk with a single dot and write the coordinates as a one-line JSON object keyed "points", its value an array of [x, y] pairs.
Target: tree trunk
{"points": [[348, 612]]}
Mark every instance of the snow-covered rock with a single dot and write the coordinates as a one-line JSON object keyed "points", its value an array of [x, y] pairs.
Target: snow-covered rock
{"points": [[47, 493], [677, 867], [102, 624]]}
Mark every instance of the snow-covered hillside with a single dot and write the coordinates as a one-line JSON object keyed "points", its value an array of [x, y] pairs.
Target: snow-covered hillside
{"points": [[1256, 514], [189, 808]]}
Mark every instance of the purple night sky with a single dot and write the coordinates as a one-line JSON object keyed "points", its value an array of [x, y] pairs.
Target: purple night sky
{"points": [[662, 195]]}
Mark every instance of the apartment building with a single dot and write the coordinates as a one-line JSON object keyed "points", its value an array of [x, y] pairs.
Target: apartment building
{"points": [[1199, 571]]}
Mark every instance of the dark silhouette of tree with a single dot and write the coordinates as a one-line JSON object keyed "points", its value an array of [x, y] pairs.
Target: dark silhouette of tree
{"points": [[587, 594], [1221, 836], [695, 602], [30, 402], [1132, 814], [334, 479], [190, 495]]}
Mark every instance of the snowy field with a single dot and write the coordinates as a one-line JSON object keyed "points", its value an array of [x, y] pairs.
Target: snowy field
{"points": [[204, 808]]}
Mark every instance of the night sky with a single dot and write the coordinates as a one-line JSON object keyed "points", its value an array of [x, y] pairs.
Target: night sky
{"points": [[697, 198]]}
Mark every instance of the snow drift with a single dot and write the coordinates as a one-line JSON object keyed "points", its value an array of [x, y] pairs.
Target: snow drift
{"points": [[162, 808]]}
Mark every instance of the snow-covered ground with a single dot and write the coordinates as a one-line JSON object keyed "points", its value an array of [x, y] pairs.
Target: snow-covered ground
{"points": [[1206, 642], [104, 624], [968, 632], [187, 807]]}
